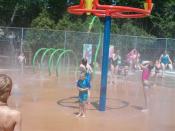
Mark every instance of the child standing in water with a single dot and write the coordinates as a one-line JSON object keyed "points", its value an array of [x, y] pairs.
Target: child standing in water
{"points": [[165, 62], [84, 86], [158, 67], [115, 64], [22, 61], [146, 72]]}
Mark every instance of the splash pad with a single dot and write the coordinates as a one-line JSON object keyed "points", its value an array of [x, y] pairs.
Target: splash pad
{"points": [[60, 62], [108, 12], [51, 53]]}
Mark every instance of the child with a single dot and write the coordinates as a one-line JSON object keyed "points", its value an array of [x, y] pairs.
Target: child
{"points": [[133, 58], [115, 64], [22, 61], [21, 58], [158, 67], [88, 76], [146, 72], [10, 120], [111, 52], [165, 62], [84, 86]]}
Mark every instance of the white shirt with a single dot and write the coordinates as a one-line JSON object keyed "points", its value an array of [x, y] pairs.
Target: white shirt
{"points": [[21, 58]]}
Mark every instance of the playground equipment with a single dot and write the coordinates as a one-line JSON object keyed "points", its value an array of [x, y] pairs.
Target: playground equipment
{"points": [[108, 11], [93, 6], [53, 55], [96, 19]]}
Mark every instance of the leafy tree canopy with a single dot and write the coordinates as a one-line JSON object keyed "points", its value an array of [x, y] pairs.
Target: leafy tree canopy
{"points": [[52, 14]]}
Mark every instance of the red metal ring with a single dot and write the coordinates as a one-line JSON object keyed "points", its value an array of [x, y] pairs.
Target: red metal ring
{"points": [[110, 10]]}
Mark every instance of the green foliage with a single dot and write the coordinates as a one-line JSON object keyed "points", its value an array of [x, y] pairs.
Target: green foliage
{"points": [[67, 24], [36, 39], [6, 11], [115, 28], [51, 14], [43, 21], [130, 29], [26, 11], [70, 22], [163, 19]]}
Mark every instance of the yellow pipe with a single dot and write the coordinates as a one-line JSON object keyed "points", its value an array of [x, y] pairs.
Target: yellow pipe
{"points": [[88, 5], [146, 6]]}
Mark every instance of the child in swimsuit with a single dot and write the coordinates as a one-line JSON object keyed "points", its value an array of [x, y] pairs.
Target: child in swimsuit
{"points": [[115, 64], [84, 86], [146, 72], [158, 67], [165, 62]]}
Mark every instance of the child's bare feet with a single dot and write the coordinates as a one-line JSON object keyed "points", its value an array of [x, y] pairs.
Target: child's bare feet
{"points": [[83, 115], [144, 110], [88, 102], [79, 114]]}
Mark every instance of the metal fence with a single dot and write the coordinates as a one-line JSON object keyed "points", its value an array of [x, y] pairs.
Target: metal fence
{"points": [[15, 40]]}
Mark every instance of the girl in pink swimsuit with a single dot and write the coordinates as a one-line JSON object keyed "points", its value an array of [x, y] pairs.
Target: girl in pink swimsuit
{"points": [[146, 72]]}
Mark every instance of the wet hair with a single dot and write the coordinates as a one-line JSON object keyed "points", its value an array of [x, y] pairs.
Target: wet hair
{"points": [[5, 87], [165, 52], [84, 61], [150, 66]]}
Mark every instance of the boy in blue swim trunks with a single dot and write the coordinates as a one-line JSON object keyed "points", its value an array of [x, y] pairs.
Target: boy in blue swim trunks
{"points": [[83, 85]]}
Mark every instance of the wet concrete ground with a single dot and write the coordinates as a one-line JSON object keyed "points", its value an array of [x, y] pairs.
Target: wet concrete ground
{"points": [[50, 104]]}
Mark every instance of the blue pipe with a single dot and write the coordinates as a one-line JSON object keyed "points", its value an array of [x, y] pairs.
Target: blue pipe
{"points": [[104, 72]]}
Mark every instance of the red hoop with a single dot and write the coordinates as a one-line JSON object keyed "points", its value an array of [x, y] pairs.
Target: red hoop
{"points": [[111, 10]]}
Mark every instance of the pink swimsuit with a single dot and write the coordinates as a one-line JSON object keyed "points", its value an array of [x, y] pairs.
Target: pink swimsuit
{"points": [[145, 74]]}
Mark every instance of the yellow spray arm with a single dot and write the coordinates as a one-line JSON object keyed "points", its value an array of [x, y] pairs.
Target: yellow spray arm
{"points": [[146, 5], [88, 5]]}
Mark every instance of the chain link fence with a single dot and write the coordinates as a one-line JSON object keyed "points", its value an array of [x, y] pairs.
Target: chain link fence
{"points": [[27, 40]]}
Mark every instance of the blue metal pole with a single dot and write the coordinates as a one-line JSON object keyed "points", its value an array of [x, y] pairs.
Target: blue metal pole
{"points": [[104, 72]]}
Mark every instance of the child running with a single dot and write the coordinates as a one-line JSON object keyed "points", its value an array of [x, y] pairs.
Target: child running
{"points": [[84, 86]]}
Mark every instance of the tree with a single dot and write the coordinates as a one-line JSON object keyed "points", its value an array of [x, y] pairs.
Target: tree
{"points": [[24, 13], [163, 19], [68, 22], [43, 21]]}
